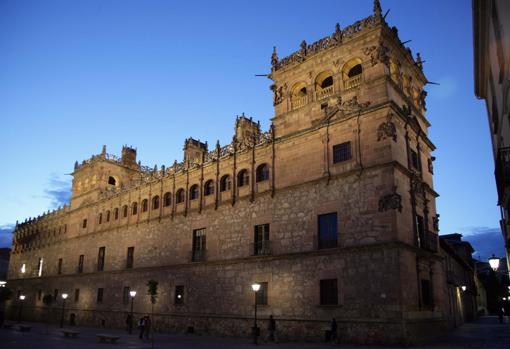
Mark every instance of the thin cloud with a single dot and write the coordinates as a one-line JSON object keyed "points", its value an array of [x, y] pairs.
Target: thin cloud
{"points": [[6, 235], [59, 191], [486, 241]]}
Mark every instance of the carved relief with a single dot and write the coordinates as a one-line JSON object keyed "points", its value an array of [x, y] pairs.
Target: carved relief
{"points": [[378, 54], [387, 129], [277, 93], [417, 186], [391, 201]]}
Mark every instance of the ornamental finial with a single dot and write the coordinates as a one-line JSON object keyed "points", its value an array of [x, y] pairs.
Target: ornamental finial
{"points": [[274, 59], [377, 9], [419, 62]]}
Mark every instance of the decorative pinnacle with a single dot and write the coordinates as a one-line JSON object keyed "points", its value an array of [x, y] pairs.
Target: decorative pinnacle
{"points": [[274, 59], [377, 9]]}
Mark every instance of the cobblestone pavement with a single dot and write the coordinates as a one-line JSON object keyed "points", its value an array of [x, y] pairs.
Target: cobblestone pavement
{"points": [[486, 333]]}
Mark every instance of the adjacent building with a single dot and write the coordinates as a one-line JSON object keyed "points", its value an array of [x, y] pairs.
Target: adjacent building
{"points": [[332, 211], [491, 30]]}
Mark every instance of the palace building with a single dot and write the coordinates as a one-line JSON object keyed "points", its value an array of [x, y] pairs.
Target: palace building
{"points": [[332, 210]]}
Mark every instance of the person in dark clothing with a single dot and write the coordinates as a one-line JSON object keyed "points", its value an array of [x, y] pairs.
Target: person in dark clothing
{"points": [[141, 326], [501, 313], [271, 330], [333, 329], [147, 327]]}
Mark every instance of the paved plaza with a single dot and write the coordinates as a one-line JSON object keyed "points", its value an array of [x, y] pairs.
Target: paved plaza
{"points": [[486, 333]]}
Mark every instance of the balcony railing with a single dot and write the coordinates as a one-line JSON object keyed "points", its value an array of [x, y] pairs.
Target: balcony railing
{"points": [[325, 92], [428, 241], [198, 255], [298, 102], [502, 172], [353, 82], [260, 248]]}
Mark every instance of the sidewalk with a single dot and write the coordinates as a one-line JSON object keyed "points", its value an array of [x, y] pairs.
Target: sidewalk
{"points": [[486, 333]]}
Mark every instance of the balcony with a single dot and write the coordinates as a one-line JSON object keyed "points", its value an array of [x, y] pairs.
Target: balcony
{"points": [[198, 255], [298, 102], [503, 173], [428, 241], [324, 93], [353, 82], [260, 248]]}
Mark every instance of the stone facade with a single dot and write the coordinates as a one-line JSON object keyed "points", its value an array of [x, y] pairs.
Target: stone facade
{"points": [[348, 145]]}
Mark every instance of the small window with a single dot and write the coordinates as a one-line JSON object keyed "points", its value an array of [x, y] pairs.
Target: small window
{"points": [[328, 292], [198, 245], [420, 229], [124, 211], [194, 192], [327, 82], [262, 294], [261, 240], [112, 181], [179, 295], [76, 295], [100, 258], [100, 218], [116, 213], [243, 178], [59, 266], [100, 294], [225, 183], [167, 199], [130, 257], [328, 230], [209, 188], [134, 208], [179, 196], [430, 166], [145, 205], [155, 202], [262, 173], [80, 263], [415, 160], [342, 152], [107, 216], [125, 295], [426, 293]]}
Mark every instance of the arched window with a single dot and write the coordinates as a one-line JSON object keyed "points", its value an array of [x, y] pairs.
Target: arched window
{"points": [[225, 183], [100, 218], [179, 196], [134, 208], [112, 180], [193, 192], [167, 199], [145, 205], [262, 173], [243, 178], [351, 73], [107, 216], [298, 96], [116, 213], [324, 84], [124, 211], [209, 187], [155, 202]]}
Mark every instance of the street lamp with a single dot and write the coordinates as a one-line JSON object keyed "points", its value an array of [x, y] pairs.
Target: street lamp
{"points": [[132, 294], [64, 297], [494, 262], [21, 298], [463, 287], [3, 283], [255, 287]]}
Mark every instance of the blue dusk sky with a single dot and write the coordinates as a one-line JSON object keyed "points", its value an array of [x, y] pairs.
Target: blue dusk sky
{"points": [[79, 74]]}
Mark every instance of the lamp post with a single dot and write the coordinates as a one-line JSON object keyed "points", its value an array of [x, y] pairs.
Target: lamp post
{"points": [[21, 299], [255, 287], [132, 294], [64, 297]]}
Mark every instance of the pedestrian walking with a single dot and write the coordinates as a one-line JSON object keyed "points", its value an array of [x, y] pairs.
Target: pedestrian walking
{"points": [[141, 326], [148, 325], [271, 330], [333, 329], [501, 313]]}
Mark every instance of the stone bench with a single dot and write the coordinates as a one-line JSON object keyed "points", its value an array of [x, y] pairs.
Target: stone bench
{"points": [[70, 334], [107, 338], [24, 328]]}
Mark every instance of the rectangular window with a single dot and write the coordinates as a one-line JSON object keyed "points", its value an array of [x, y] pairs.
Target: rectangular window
{"points": [[420, 229], [125, 295], [39, 267], [59, 266], [261, 240], [84, 223], [329, 292], [100, 259], [80, 263], [426, 294], [55, 295], [39, 295], [262, 294], [328, 230], [130, 257], [415, 161], [342, 152], [179, 295], [77, 295], [100, 292], [199, 246]]}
